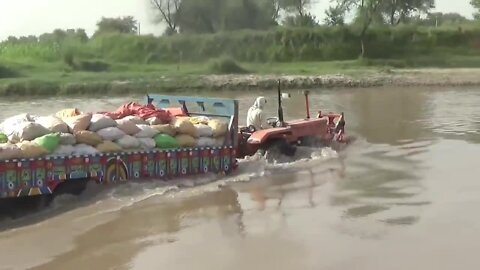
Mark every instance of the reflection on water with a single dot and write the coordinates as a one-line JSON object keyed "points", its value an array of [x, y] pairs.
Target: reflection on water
{"points": [[401, 197], [389, 117], [454, 115], [150, 222]]}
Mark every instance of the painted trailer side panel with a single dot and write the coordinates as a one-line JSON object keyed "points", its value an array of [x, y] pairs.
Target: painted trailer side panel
{"points": [[32, 177], [19, 178]]}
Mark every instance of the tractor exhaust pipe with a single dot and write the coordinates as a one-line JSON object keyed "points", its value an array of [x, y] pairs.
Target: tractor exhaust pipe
{"points": [[280, 109], [307, 105]]}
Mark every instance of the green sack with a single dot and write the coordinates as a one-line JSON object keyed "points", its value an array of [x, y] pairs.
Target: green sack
{"points": [[164, 141], [3, 138], [49, 142]]}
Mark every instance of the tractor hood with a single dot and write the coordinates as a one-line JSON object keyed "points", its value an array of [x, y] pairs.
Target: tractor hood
{"points": [[262, 136]]}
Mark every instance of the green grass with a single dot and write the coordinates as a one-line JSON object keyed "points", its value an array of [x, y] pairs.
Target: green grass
{"points": [[225, 65], [8, 72], [60, 73], [57, 78]]}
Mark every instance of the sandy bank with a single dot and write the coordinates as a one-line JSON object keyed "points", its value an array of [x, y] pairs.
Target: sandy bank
{"points": [[410, 77], [188, 83]]}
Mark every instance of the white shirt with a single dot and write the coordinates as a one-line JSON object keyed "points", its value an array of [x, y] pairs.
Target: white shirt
{"points": [[256, 118]]}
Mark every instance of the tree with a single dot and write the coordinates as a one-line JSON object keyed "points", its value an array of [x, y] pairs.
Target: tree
{"points": [[200, 16], [476, 5], [438, 18], [248, 14], [81, 35], [211, 16], [305, 20], [59, 36], [298, 7], [367, 12], [335, 15], [169, 13], [125, 25], [27, 39], [270, 9], [396, 11], [297, 13], [275, 4]]}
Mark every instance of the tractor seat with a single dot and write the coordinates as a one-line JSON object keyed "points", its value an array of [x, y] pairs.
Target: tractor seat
{"points": [[249, 129]]}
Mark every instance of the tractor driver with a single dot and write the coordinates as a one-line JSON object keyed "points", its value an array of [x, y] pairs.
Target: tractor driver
{"points": [[256, 116]]}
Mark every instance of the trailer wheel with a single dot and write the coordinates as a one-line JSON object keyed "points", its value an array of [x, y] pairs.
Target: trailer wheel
{"points": [[73, 187], [44, 201], [18, 207]]}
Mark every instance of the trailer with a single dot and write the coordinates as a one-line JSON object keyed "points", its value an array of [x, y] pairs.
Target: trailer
{"points": [[48, 176]]}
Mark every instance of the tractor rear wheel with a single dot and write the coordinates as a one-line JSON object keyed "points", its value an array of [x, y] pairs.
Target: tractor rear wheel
{"points": [[279, 148], [310, 141]]}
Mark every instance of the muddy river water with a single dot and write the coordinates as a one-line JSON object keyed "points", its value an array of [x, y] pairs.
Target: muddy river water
{"points": [[404, 195]]}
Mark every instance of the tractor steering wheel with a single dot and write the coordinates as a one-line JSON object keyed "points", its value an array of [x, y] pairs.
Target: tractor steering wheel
{"points": [[272, 121]]}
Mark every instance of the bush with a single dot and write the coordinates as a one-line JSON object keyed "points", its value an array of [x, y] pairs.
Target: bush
{"points": [[83, 65], [225, 65], [7, 72], [29, 88], [69, 58], [153, 58], [93, 65]]}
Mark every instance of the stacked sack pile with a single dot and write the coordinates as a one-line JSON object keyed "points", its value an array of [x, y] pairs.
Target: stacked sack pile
{"points": [[71, 132], [199, 131]]}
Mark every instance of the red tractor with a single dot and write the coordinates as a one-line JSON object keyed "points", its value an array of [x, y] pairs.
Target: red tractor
{"points": [[284, 136]]}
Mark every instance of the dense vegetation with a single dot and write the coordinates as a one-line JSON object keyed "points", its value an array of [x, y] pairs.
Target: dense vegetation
{"points": [[278, 45], [240, 36], [256, 31]]}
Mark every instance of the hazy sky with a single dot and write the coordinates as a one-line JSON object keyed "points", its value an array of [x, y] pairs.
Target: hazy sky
{"points": [[25, 17]]}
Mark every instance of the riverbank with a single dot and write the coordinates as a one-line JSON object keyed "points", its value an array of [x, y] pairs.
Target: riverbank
{"points": [[368, 78], [120, 83]]}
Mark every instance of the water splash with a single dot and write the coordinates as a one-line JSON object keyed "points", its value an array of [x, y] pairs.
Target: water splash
{"points": [[111, 199]]}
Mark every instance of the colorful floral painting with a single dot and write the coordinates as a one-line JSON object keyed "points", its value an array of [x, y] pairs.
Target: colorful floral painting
{"points": [[42, 176]]}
